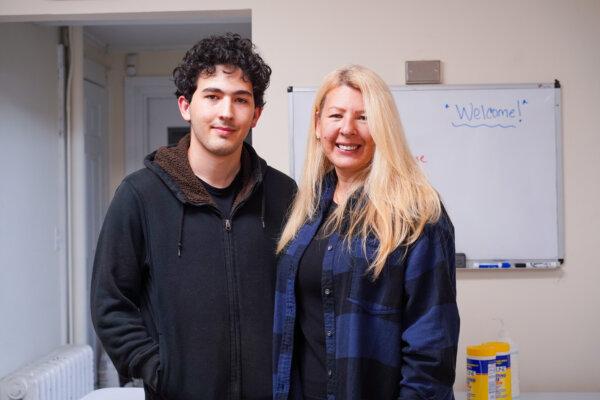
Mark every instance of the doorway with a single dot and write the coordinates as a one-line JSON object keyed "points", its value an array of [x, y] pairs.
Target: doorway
{"points": [[158, 42]]}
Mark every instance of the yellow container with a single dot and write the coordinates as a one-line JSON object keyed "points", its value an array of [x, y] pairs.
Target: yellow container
{"points": [[481, 373], [503, 370]]}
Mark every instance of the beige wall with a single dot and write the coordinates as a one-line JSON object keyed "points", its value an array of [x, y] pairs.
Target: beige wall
{"points": [[553, 315]]}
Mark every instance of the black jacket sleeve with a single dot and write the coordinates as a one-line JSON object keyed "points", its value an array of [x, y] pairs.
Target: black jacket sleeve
{"points": [[117, 289]]}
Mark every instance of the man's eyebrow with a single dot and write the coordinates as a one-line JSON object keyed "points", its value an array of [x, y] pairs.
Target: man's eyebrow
{"points": [[217, 90], [212, 90]]}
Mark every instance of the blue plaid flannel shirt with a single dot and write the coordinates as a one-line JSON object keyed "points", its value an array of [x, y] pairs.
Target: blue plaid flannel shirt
{"points": [[395, 337]]}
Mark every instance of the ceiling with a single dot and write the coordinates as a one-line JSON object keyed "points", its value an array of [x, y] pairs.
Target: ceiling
{"points": [[141, 37], [158, 31]]}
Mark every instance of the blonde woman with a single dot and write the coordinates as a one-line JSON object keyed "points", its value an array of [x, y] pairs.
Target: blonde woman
{"points": [[365, 306]]}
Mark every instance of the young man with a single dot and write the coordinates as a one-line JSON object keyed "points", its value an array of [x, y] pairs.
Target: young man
{"points": [[183, 282]]}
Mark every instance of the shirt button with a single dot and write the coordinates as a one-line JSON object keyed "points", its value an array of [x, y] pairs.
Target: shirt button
{"points": [[329, 333], [329, 247], [327, 292], [329, 373]]}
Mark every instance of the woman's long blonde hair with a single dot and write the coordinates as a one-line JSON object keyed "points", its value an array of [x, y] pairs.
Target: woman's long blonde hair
{"points": [[394, 198]]}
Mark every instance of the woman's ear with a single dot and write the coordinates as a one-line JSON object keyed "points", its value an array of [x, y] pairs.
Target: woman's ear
{"points": [[318, 127]]}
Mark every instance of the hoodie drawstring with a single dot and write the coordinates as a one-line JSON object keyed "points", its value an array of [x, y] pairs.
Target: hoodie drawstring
{"points": [[179, 243], [262, 208]]}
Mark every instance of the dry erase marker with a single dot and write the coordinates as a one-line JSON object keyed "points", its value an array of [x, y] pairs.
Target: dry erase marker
{"points": [[504, 264], [544, 264]]}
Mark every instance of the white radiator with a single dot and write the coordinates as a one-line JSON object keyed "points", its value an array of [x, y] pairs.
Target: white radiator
{"points": [[65, 374]]}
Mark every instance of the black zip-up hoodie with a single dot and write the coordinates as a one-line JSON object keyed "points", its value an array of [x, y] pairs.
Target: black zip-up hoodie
{"points": [[181, 295]]}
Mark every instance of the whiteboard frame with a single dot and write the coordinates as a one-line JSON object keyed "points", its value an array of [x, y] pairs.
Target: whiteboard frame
{"points": [[560, 189], [558, 137]]}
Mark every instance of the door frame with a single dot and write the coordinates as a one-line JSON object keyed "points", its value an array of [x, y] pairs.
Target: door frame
{"points": [[138, 92]]}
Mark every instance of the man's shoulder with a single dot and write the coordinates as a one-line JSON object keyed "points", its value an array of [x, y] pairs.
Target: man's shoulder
{"points": [[276, 178], [143, 186], [142, 179]]}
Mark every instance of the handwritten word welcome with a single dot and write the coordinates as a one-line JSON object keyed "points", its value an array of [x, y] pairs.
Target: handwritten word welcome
{"points": [[471, 112], [481, 112]]}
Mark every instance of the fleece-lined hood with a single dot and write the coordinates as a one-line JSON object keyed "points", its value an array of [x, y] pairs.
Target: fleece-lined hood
{"points": [[171, 164]]}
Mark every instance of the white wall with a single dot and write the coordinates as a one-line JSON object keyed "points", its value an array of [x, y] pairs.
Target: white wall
{"points": [[32, 280], [553, 315]]}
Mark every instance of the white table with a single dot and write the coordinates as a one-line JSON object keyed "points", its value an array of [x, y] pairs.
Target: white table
{"points": [[116, 394], [546, 396]]}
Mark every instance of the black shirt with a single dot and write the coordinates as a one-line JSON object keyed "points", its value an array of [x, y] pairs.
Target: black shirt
{"points": [[223, 197], [310, 346]]}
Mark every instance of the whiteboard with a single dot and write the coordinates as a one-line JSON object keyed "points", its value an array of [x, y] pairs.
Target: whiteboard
{"points": [[494, 154]]}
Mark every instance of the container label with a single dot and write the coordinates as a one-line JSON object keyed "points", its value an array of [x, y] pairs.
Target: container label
{"points": [[481, 379], [503, 377]]}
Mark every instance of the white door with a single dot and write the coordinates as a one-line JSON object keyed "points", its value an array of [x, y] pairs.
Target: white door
{"points": [[150, 110], [164, 122], [96, 122], [96, 170]]}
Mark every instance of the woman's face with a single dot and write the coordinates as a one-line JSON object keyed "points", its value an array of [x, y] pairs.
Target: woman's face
{"points": [[344, 133]]}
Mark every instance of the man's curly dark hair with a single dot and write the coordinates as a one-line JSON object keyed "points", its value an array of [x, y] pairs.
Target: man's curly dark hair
{"points": [[228, 49]]}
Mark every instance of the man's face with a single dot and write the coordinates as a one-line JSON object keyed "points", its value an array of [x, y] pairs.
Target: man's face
{"points": [[221, 112]]}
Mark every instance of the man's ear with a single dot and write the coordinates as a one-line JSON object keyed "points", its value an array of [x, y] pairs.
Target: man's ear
{"points": [[184, 108], [257, 113]]}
